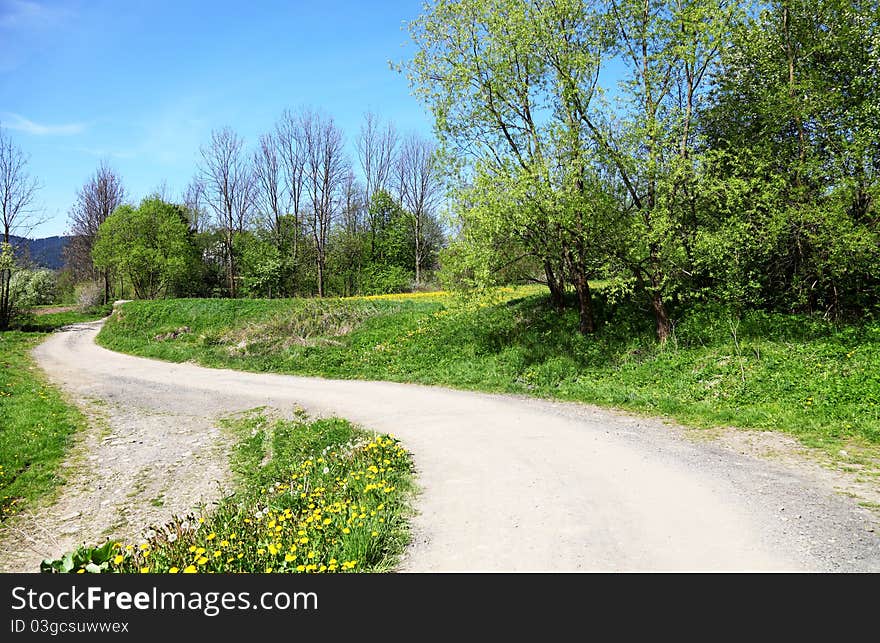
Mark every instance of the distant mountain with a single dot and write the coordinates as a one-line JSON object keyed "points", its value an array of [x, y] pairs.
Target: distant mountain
{"points": [[48, 252]]}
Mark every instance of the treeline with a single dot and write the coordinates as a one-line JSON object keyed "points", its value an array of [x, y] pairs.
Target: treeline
{"points": [[292, 216], [736, 159]]}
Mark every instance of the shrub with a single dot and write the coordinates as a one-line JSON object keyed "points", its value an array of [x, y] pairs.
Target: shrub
{"points": [[385, 280], [29, 288], [89, 295]]}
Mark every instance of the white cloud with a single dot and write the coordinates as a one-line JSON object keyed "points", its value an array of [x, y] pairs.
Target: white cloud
{"points": [[101, 152], [19, 123]]}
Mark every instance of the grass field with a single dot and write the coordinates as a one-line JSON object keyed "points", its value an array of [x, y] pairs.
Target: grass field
{"points": [[802, 375], [36, 423]]}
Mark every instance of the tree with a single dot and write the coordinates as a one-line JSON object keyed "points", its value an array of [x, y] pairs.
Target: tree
{"points": [[271, 196], [670, 50], [584, 185], [795, 130], [418, 186], [193, 202], [150, 244], [503, 97], [377, 150], [17, 192], [392, 236], [325, 170], [101, 194], [350, 243], [290, 146], [229, 190]]}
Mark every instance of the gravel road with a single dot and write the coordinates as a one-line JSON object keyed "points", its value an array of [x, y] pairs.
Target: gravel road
{"points": [[508, 483]]}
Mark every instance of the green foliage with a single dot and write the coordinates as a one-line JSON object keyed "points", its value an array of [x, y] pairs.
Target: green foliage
{"points": [[149, 244], [261, 266], [92, 560], [795, 125], [382, 279], [735, 161], [760, 370], [389, 236]]}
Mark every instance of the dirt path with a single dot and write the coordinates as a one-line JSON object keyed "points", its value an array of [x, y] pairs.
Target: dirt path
{"points": [[508, 483]]}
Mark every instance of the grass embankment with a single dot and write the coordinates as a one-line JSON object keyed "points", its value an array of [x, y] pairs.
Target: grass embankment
{"points": [[313, 496], [36, 424], [802, 375]]}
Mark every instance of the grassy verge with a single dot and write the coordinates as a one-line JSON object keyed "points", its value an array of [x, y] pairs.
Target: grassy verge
{"points": [[36, 423], [313, 496], [802, 375]]}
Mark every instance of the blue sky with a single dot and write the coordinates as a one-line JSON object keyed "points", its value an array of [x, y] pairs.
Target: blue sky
{"points": [[142, 84]]}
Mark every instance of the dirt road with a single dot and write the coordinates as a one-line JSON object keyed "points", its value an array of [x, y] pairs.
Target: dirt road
{"points": [[508, 483]]}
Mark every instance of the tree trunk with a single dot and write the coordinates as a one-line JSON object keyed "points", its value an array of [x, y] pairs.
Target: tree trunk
{"points": [[586, 321], [106, 287], [5, 313], [418, 267], [556, 286], [230, 266], [320, 268], [664, 326]]}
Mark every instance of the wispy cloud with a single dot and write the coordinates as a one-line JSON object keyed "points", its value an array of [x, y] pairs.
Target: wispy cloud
{"points": [[105, 153], [27, 13], [20, 123]]}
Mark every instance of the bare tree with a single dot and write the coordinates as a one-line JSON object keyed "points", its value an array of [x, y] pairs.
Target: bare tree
{"points": [[17, 192], [228, 182], [193, 201], [377, 147], [96, 200], [349, 249], [289, 141], [325, 170], [271, 194], [353, 206], [418, 185]]}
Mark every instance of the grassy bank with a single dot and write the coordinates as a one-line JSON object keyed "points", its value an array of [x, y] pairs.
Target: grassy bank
{"points": [[805, 376], [312, 496], [36, 423]]}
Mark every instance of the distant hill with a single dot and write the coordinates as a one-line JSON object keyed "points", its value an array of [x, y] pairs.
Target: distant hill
{"points": [[48, 252]]}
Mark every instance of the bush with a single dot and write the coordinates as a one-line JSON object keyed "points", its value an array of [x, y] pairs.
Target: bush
{"points": [[385, 280], [89, 295], [29, 288]]}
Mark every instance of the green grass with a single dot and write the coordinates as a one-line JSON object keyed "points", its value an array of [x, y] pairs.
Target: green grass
{"points": [[312, 496], [36, 423], [801, 375]]}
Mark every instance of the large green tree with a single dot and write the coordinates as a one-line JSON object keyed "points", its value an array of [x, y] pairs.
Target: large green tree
{"points": [[149, 244], [584, 183], [491, 72], [795, 127]]}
